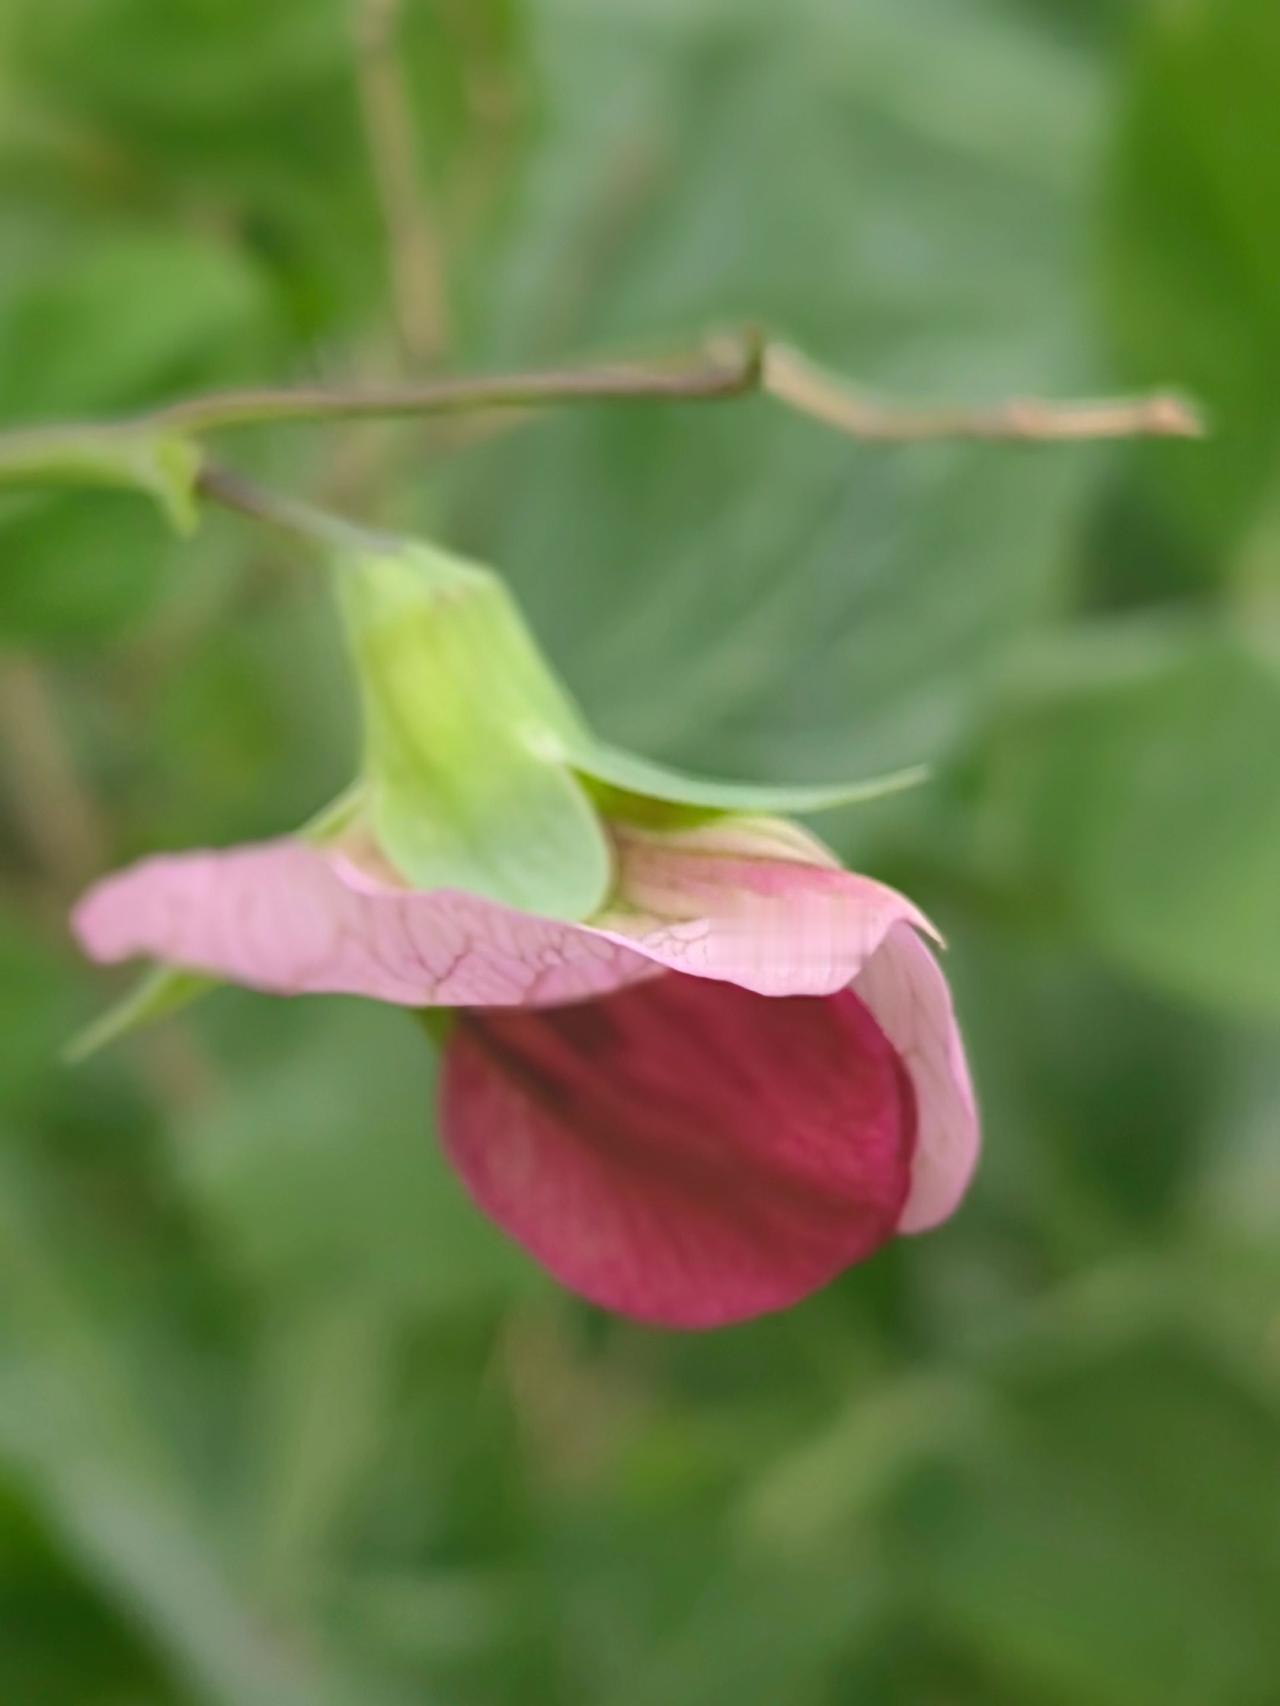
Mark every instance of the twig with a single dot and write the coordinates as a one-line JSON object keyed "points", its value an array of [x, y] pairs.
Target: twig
{"points": [[726, 368], [732, 369], [414, 258], [800, 384]]}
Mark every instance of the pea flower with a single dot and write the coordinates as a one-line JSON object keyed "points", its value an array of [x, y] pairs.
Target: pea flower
{"points": [[693, 1066]]}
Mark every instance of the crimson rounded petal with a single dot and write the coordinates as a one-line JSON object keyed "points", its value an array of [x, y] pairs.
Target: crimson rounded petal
{"points": [[759, 903], [685, 1152], [293, 919], [903, 986]]}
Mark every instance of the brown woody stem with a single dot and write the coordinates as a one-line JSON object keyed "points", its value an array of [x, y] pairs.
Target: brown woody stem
{"points": [[802, 385], [739, 366]]}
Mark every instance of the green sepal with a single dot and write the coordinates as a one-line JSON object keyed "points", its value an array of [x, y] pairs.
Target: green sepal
{"points": [[622, 773], [160, 464], [158, 993], [466, 729]]}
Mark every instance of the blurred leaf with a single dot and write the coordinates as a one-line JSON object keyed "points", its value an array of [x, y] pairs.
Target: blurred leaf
{"points": [[1110, 1086], [726, 586], [136, 57], [57, 586], [320, 1176], [321, 1407], [1137, 783], [60, 1642], [1072, 1547], [1194, 249], [80, 1425], [832, 1487], [229, 114], [175, 308], [754, 1635], [249, 724], [39, 999]]}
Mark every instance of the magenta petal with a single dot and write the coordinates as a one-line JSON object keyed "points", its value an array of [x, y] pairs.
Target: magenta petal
{"points": [[904, 988], [685, 1152], [295, 919], [756, 902]]}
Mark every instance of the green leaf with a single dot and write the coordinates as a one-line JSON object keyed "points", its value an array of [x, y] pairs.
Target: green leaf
{"points": [[465, 731]]}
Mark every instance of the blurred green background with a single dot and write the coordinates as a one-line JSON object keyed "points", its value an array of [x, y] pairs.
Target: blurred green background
{"points": [[282, 1421]]}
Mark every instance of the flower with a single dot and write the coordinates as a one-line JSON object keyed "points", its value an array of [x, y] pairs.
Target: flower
{"points": [[694, 1067], [740, 1076]]}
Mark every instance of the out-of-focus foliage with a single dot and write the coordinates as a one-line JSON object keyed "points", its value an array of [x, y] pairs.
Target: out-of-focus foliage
{"points": [[282, 1422]]}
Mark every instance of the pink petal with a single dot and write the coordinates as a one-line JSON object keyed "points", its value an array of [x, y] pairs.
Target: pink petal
{"points": [[294, 919], [757, 902], [685, 1152], [903, 986]]}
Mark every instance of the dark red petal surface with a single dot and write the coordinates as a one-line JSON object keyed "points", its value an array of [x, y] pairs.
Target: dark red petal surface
{"points": [[685, 1152]]}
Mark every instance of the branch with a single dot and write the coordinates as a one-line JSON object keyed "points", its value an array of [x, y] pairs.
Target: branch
{"points": [[140, 452], [729, 368], [802, 385]]}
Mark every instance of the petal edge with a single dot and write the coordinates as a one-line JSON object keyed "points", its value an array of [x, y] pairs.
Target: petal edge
{"points": [[905, 988]]}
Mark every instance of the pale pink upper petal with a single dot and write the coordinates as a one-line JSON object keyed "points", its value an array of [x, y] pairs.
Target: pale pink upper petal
{"points": [[684, 1152], [903, 986], [756, 902], [295, 919]]}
